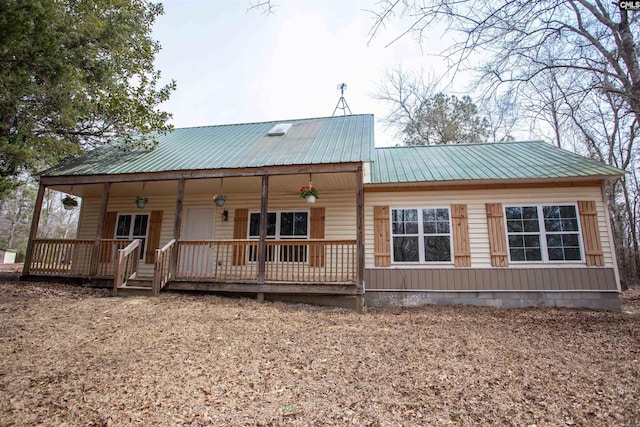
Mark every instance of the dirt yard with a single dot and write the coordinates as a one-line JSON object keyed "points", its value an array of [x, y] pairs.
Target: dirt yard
{"points": [[73, 356]]}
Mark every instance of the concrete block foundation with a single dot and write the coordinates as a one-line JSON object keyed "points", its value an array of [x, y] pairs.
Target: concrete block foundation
{"points": [[506, 299]]}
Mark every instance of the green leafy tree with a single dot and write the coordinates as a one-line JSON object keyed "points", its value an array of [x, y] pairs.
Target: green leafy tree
{"points": [[73, 75]]}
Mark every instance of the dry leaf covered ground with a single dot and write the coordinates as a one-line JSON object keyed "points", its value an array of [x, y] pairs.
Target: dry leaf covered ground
{"points": [[75, 356]]}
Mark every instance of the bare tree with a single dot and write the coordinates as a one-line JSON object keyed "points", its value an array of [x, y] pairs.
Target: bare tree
{"points": [[503, 114], [16, 209], [575, 62], [55, 221], [521, 40], [549, 104], [265, 7], [15, 216], [610, 133], [424, 116]]}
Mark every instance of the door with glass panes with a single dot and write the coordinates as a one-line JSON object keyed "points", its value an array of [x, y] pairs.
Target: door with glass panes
{"points": [[133, 226]]}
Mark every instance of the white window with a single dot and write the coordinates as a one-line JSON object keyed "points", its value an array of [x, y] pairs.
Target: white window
{"points": [[281, 225], [133, 226], [421, 235], [544, 233]]}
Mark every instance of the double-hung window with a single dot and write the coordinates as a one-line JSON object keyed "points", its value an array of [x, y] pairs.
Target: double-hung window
{"points": [[133, 226], [421, 235], [544, 233], [281, 225]]}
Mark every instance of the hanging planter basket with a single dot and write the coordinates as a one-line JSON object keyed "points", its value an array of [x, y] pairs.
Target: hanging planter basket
{"points": [[220, 198], [141, 202], [309, 193], [69, 202]]}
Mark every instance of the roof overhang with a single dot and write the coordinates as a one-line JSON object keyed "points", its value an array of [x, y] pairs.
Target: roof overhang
{"points": [[200, 174], [582, 181]]}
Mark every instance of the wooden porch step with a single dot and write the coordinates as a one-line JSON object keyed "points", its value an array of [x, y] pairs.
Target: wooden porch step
{"points": [[140, 283], [134, 291]]}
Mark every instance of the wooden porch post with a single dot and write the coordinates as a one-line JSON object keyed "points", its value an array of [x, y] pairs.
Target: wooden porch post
{"points": [[177, 226], [95, 258], [262, 245], [34, 229], [360, 240]]}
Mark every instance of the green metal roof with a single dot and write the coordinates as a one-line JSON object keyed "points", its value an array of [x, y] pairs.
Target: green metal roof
{"points": [[308, 141], [484, 161]]}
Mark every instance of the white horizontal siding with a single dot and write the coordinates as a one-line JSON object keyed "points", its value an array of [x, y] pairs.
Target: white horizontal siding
{"points": [[475, 201], [91, 209], [341, 212], [340, 217]]}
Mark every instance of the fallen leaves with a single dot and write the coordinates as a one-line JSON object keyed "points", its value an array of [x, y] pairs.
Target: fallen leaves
{"points": [[75, 356]]}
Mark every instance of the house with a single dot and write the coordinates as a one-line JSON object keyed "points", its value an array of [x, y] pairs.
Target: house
{"points": [[509, 224]]}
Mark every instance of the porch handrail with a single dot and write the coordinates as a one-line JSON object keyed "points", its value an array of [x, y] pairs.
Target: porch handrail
{"points": [[127, 265], [162, 273], [63, 240], [67, 257], [309, 260], [288, 260], [108, 256], [73, 257]]}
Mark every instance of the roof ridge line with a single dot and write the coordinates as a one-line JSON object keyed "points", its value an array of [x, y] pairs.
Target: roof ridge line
{"points": [[528, 141], [270, 121]]}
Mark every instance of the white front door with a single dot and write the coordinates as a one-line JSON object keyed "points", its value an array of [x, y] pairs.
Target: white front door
{"points": [[197, 259]]}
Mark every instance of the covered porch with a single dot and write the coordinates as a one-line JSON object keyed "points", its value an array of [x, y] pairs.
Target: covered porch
{"points": [[265, 239]]}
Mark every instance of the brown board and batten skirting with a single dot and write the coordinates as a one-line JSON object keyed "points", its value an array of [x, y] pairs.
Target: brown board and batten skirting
{"points": [[490, 279]]}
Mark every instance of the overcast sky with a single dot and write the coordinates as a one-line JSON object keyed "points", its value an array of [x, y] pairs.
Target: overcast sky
{"points": [[234, 66]]}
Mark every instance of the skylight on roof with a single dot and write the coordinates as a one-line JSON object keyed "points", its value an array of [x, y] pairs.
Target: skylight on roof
{"points": [[279, 129]]}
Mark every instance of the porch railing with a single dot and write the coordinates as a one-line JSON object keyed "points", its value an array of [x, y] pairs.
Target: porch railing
{"points": [[107, 256], [127, 265], [61, 257], [298, 261], [162, 272], [216, 259], [311, 260], [295, 261], [73, 257]]}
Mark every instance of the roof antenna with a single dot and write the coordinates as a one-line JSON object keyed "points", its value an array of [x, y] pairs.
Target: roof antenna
{"points": [[342, 103]]}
